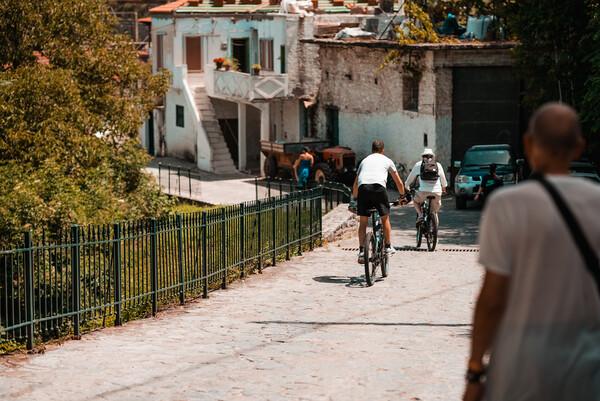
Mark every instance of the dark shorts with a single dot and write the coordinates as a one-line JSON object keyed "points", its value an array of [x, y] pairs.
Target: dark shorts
{"points": [[373, 196]]}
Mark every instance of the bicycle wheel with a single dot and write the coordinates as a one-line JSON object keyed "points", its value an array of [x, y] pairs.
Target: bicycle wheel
{"points": [[431, 233], [370, 258], [419, 237]]}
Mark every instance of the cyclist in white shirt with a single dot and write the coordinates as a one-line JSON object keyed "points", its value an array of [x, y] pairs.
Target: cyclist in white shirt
{"points": [[370, 191], [427, 188]]}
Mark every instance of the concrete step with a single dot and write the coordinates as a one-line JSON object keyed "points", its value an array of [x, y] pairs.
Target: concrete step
{"points": [[222, 157]]}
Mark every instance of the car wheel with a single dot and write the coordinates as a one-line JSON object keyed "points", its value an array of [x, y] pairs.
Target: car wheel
{"points": [[461, 202]]}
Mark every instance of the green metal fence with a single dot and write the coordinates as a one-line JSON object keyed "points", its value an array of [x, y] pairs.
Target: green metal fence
{"points": [[104, 273]]}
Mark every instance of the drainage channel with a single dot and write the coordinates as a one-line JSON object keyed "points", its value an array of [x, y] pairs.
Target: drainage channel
{"points": [[415, 249]]}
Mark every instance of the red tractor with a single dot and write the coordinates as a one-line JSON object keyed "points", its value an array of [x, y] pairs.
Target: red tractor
{"points": [[337, 163]]}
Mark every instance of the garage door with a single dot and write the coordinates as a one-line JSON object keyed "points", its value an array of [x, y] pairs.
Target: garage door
{"points": [[485, 109]]}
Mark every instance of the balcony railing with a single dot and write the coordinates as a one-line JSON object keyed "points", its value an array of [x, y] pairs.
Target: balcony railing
{"points": [[241, 86]]}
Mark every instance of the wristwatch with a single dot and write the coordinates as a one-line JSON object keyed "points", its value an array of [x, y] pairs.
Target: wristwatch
{"points": [[475, 372]]}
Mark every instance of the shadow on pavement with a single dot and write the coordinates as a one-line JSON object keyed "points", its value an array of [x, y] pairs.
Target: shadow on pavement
{"points": [[348, 281], [457, 227], [315, 323]]}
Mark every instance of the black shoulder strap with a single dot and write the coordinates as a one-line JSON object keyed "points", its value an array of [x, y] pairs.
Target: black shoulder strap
{"points": [[590, 257]]}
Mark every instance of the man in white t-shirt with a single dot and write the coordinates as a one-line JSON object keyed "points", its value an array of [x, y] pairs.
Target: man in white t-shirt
{"points": [[370, 191], [435, 188], [538, 313]]}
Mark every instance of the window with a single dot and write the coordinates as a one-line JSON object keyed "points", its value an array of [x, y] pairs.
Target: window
{"points": [[266, 54], [410, 93], [159, 52], [179, 115], [282, 59]]}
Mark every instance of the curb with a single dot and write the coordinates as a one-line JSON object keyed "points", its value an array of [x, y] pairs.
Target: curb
{"points": [[337, 222]]}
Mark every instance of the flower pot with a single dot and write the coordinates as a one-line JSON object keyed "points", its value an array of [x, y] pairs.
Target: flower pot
{"points": [[219, 65], [256, 71], [218, 3], [226, 66]]}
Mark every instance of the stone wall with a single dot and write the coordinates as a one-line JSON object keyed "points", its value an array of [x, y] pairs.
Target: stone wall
{"points": [[369, 101]]}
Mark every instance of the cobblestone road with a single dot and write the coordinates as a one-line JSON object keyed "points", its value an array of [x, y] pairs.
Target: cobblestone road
{"points": [[307, 329]]}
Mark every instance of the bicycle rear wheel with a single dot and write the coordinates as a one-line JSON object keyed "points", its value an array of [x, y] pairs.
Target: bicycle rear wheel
{"points": [[370, 258], [419, 237], [385, 260], [431, 233]]}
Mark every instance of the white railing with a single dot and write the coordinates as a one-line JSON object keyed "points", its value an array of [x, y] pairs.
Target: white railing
{"points": [[240, 86]]}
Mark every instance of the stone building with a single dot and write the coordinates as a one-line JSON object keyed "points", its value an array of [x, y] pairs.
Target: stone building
{"points": [[452, 96]]}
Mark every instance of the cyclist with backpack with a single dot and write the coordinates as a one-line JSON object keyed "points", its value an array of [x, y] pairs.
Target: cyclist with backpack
{"points": [[432, 182]]}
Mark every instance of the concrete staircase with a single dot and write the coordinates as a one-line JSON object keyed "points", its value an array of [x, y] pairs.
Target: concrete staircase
{"points": [[221, 162]]}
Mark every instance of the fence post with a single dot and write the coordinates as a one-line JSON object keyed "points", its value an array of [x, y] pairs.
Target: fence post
{"points": [[159, 168], [300, 198], [242, 244], [260, 250], [310, 218], [223, 248], [168, 165], [269, 188], [320, 212], [256, 187], [180, 259], [204, 255], [190, 180], [29, 302], [179, 178], [287, 227], [273, 229], [280, 188], [154, 265], [75, 279], [117, 272]]}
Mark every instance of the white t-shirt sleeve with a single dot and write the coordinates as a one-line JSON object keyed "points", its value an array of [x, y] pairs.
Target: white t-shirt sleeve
{"points": [[494, 241], [391, 166]]}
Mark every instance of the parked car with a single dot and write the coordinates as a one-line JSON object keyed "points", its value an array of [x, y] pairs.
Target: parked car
{"points": [[584, 168], [476, 164]]}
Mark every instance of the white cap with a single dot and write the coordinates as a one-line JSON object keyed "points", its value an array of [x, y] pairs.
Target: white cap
{"points": [[427, 151]]}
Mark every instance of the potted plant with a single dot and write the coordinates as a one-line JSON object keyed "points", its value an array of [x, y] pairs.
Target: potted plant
{"points": [[219, 62], [227, 64], [256, 68]]}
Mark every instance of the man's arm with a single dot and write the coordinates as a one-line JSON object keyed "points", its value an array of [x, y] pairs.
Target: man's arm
{"points": [[412, 176], [355, 187], [443, 180], [399, 183], [488, 314]]}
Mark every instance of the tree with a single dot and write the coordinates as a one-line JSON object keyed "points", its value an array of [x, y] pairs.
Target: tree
{"points": [[72, 97]]}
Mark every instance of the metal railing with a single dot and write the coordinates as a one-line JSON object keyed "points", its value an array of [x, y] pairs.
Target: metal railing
{"points": [[334, 193], [179, 181], [100, 275]]}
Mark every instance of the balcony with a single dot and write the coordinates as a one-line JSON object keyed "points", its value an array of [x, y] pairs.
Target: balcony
{"points": [[233, 85]]}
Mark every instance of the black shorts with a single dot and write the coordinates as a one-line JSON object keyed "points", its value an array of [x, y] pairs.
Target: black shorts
{"points": [[373, 196]]}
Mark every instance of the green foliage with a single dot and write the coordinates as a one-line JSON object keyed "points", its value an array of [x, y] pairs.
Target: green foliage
{"points": [[417, 28], [72, 97]]}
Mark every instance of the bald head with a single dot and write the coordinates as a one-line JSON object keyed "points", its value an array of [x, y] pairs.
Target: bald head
{"points": [[556, 129]]}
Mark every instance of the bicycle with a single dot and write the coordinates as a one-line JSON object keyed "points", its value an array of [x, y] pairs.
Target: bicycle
{"points": [[375, 254], [428, 227]]}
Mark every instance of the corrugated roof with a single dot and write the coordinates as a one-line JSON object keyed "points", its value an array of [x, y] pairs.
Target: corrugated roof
{"points": [[207, 6]]}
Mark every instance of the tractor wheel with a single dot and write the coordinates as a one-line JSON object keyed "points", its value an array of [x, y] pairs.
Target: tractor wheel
{"points": [[323, 172], [270, 167]]}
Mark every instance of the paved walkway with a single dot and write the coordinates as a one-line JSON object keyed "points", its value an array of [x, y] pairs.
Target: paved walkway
{"points": [[307, 329], [209, 188]]}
